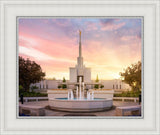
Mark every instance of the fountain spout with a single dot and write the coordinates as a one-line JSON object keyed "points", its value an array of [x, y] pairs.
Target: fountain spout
{"points": [[80, 87], [70, 94], [77, 92], [88, 95], [92, 94]]}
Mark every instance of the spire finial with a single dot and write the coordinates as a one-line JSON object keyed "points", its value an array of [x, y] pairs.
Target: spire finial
{"points": [[80, 51], [80, 32], [80, 36]]}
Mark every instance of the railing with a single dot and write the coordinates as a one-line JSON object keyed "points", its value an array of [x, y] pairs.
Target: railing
{"points": [[27, 99], [123, 99]]}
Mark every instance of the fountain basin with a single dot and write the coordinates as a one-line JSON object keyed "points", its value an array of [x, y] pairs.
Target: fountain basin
{"points": [[80, 105]]}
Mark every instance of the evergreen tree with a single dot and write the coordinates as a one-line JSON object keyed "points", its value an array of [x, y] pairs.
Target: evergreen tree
{"points": [[64, 86], [96, 86]]}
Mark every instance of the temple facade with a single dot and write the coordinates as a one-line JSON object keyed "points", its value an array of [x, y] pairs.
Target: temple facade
{"points": [[80, 70]]}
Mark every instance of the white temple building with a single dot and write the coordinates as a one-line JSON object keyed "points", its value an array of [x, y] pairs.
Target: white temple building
{"points": [[80, 70], [83, 73]]}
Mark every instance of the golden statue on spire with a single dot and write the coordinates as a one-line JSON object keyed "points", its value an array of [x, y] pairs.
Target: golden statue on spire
{"points": [[80, 32]]}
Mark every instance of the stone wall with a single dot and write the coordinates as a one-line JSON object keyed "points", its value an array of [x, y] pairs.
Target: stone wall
{"points": [[102, 93], [57, 93], [108, 84]]}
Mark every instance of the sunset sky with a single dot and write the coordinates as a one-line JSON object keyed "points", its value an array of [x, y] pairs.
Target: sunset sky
{"points": [[108, 45]]}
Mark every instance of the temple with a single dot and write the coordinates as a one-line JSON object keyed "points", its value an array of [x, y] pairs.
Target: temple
{"points": [[80, 71]]}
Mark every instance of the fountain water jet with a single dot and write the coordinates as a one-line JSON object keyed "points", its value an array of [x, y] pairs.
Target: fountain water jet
{"points": [[70, 95]]}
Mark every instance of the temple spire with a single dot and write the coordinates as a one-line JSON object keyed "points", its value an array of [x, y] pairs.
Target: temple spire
{"points": [[80, 49], [80, 58]]}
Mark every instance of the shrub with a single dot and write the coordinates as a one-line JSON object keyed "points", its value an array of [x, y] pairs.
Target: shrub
{"points": [[59, 86], [128, 94], [102, 86], [34, 87], [34, 94], [64, 86], [96, 86], [21, 90]]}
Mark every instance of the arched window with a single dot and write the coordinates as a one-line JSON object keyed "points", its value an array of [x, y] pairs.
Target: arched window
{"points": [[113, 86], [117, 86]]}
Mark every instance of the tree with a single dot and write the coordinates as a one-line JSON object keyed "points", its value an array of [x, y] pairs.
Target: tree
{"points": [[29, 72], [97, 80], [64, 80], [96, 86], [132, 76], [64, 86]]}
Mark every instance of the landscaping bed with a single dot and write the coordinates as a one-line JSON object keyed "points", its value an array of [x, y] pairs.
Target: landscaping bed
{"points": [[128, 94], [34, 94]]}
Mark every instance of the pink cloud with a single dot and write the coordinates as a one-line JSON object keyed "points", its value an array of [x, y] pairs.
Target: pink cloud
{"points": [[112, 26], [56, 49], [62, 22], [90, 26]]}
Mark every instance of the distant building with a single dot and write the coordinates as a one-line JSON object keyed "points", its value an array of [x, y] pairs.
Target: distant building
{"points": [[108, 84]]}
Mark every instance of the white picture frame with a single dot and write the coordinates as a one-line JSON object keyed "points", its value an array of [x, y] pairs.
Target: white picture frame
{"points": [[149, 124]]}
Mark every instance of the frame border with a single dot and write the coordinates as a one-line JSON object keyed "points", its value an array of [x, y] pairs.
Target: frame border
{"points": [[157, 12], [81, 117]]}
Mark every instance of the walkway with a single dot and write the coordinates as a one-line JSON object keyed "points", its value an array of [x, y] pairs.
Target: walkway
{"points": [[60, 113]]}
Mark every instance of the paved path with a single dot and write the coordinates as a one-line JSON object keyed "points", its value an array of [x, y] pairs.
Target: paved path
{"points": [[60, 113]]}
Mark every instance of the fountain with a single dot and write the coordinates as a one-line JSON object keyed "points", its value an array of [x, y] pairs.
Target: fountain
{"points": [[80, 96], [80, 103]]}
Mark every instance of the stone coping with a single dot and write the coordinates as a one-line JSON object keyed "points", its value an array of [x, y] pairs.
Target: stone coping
{"points": [[81, 110], [31, 107], [102, 91], [72, 100], [80, 105], [89, 89], [56, 92], [130, 107], [57, 89], [126, 97]]}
